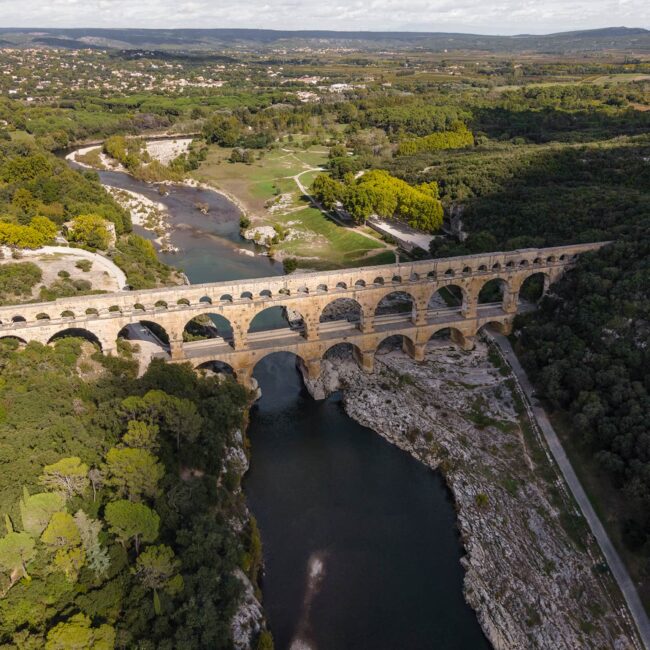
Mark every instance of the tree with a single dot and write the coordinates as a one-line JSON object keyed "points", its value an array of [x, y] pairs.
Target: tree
{"points": [[236, 155], [141, 435], [44, 226], [223, 130], [327, 190], [69, 476], [96, 479], [176, 416], [157, 568], [133, 473], [20, 236], [132, 521], [96, 555], [265, 641], [63, 537], [77, 634], [37, 509], [338, 151], [16, 551], [359, 203], [91, 230]]}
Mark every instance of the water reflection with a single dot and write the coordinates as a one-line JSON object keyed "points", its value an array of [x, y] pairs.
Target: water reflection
{"points": [[359, 539]]}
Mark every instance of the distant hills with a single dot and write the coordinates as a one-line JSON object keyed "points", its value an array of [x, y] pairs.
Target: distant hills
{"points": [[611, 38]]}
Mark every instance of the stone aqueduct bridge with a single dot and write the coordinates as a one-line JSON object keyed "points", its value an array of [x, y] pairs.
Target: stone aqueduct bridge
{"points": [[105, 315]]}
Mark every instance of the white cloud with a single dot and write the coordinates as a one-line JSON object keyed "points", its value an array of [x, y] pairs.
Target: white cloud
{"points": [[497, 17]]}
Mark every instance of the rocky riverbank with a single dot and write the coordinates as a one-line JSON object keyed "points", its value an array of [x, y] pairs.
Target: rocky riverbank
{"points": [[248, 620], [533, 572], [148, 214]]}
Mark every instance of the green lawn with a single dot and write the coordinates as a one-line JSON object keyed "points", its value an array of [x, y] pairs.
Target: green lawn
{"points": [[334, 245], [260, 181], [322, 242]]}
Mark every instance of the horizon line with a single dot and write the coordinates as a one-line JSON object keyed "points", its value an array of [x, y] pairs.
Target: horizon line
{"points": [[333, 31]]}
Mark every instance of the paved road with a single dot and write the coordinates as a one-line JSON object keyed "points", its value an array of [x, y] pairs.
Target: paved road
{"points": [[611, 555]]}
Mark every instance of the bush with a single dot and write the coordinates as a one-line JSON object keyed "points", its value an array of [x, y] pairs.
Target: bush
{"points": [[18, 279], [84, 265], [290, 264]]}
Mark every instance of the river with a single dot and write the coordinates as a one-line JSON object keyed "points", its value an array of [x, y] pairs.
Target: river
{"points": [[360, 544]]}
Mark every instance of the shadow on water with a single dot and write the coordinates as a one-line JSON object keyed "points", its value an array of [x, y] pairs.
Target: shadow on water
{"points": [[360, 545]]}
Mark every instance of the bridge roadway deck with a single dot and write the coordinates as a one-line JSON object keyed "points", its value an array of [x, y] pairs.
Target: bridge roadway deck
{"points": [[291, 339]]}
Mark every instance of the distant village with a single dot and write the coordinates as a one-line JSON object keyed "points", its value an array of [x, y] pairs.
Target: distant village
{"points": [[43, 75]]}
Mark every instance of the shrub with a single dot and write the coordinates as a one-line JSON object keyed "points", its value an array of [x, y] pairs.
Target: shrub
{"points": [[290, 264]]}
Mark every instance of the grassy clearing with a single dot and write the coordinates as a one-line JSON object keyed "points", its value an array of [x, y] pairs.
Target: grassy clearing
{"points": [[333, 245], [320, 242], [260, 181]]}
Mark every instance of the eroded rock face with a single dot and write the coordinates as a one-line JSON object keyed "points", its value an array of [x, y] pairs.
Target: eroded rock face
{"points": [[530, 565], [248, 620]]}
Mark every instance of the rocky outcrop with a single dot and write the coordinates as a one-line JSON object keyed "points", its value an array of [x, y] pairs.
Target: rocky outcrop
{"points": [[248, 620], [534, 574]]}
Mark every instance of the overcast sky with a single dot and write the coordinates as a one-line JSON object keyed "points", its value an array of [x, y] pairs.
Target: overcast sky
{"points": [[487, 17]]}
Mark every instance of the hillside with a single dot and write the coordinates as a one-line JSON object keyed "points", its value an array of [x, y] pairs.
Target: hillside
{"points": [[613, 38]]}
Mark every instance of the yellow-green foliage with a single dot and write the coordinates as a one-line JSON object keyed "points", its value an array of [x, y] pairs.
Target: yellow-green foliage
{"points": [[91, 230], [377, 192], [77, 634], [37, 509], [458, 138], [127, 151], [39, 232]]}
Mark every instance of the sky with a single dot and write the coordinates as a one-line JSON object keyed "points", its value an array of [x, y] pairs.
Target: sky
{"points": [[473, 16]]}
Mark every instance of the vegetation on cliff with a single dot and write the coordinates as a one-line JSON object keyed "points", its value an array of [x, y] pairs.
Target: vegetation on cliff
{"points": [[116, 525]]}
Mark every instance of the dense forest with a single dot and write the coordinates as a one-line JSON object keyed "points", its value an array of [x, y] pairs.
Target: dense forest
{"points": [[117, 524]]}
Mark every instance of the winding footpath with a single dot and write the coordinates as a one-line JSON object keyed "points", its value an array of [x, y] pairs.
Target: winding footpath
{"points": [[614, 561]]}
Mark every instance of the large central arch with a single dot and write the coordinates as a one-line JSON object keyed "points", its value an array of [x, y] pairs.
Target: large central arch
{"points": [[277, 395]]}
